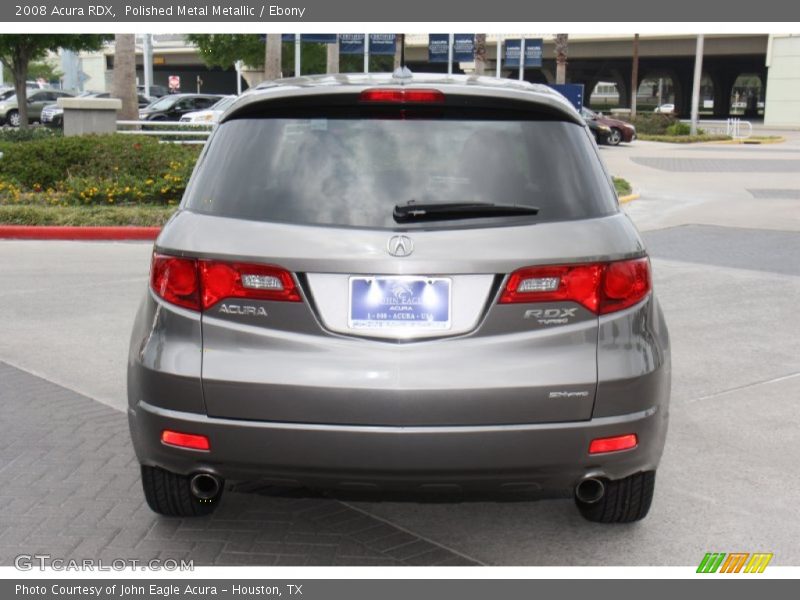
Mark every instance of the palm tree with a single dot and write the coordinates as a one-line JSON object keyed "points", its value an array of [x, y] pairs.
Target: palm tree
{"points": [[562, 43], [333, 57], [272, 59], [480, 53], [124, 83]]}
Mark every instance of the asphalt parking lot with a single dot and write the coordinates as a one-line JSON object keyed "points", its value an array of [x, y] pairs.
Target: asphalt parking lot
{"points": [[722, 224]]}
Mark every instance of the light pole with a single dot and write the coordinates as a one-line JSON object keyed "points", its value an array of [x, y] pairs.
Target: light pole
{"points": [[698, 73], [147, 62], [635, 75]]}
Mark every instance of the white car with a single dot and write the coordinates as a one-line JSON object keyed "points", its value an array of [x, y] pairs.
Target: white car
{"points": [[665, 109], [210, 115]]}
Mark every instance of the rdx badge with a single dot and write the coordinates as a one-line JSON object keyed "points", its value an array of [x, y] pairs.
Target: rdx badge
{"points": [[551, 316], [248, 311]]}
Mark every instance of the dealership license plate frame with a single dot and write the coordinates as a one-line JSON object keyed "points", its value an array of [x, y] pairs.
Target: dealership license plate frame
{"points": [[405, 325]]}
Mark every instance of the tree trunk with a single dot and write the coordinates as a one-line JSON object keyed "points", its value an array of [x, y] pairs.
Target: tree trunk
{"points": [[635, 75], [272, 58], [562, 42], [124, 77], [398, 50], [20, 72], [333, 57], [480, 53]]}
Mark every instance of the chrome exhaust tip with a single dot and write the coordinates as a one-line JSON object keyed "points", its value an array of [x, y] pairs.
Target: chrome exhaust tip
{"points": [[590, 490], [204, 486]]}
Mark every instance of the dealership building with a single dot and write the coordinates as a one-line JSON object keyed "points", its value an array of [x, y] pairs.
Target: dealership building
{"points": [[755, 75]]}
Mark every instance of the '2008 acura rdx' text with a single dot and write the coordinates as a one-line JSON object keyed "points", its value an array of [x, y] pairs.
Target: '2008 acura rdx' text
{"points": [[381, 282]]}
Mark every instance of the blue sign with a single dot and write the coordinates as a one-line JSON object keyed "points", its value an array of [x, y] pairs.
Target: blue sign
{"points": [[311, 38], [351, 43], [464, 47], [572, 92], [379, 43], [438, 47], [533, 53], [319, 38], [382, 43]]}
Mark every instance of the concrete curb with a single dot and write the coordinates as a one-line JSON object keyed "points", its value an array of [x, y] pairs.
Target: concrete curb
{"points": [[57, 232], [628, 198]]}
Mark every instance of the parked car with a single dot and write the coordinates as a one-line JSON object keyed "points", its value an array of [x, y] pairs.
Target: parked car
{"points": [[422, 283], [172, 107], [210, 115], [155, 91], [620, 131], [601, 132], [666, 109], [37, 100], [53, 114]]}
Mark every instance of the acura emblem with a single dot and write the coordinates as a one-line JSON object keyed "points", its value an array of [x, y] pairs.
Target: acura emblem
{"points": [[400, 245]]}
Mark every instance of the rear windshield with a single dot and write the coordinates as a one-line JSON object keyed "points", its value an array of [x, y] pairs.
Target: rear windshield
{"points": [[353, 171]]}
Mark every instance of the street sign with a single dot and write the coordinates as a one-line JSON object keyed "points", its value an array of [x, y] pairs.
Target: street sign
{"points": [[533, 53]]}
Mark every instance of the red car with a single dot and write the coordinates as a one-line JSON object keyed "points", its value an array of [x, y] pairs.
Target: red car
{"points": [[620, 130]]}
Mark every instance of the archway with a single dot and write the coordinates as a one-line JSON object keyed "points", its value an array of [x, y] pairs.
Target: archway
{"points": [[656, 88], [747, 95]]}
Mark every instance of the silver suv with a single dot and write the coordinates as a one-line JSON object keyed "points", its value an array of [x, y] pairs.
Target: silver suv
{"points": [[379, 282]]}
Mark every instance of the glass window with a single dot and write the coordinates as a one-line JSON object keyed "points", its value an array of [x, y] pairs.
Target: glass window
{"points": [[353, 171]]}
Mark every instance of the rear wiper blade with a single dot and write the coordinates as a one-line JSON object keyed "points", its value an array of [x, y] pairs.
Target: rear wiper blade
{"points": [[442, 211]]}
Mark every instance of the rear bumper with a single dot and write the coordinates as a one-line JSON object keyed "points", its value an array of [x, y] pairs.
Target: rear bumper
{"points": [[550, 456]]}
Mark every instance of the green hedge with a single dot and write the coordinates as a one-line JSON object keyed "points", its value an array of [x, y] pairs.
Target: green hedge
{"points": [[15, 134], [653, 123], [107, 169]]}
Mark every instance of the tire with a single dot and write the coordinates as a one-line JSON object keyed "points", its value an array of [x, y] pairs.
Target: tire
{"points": [[615, 137], [12, 118], [170, 494], [625, 500]]}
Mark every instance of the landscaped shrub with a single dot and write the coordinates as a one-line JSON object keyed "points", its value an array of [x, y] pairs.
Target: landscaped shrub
{"points": [[16, 134], [98, 169], [679, 128], [653, 123]]}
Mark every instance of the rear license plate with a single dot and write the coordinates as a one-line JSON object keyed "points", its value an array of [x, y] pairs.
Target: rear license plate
{"points": [[399, 302]]}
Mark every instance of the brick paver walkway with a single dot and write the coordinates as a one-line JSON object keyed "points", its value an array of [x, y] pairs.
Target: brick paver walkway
{"points": [[69, 487]]}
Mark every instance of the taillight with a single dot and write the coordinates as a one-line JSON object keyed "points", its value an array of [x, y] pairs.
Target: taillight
{"points": [[175, 280], [613, 444], [402, 96], [600, 287], [222, 280], [200, 284], [185, 440], [624, 284]]}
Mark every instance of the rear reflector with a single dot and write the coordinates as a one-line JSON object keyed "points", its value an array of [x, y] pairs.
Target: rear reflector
{"points": [[613, 444], [185, 440], [599, 287], [200, 284], [402, 96]]}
